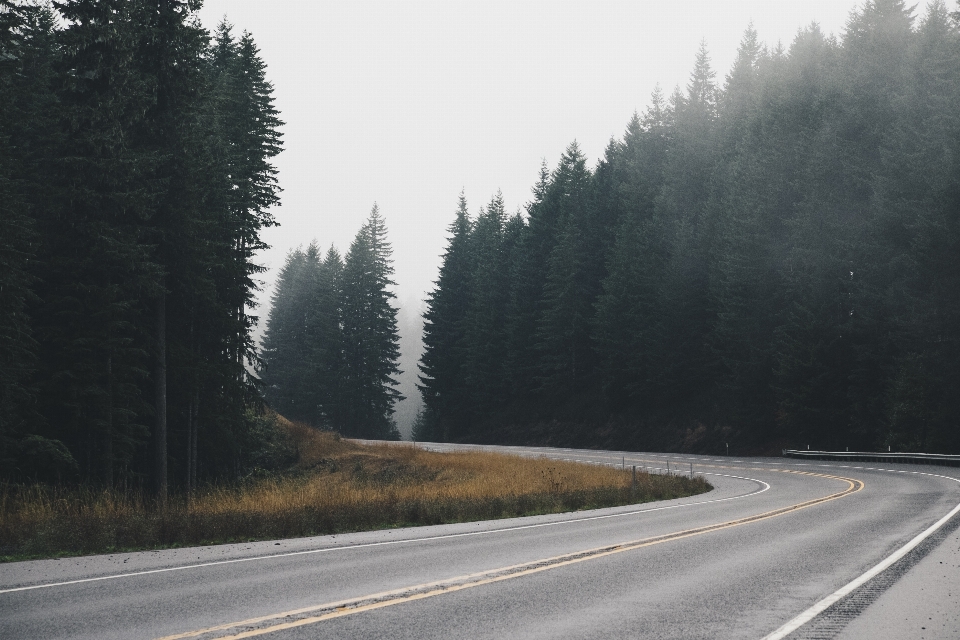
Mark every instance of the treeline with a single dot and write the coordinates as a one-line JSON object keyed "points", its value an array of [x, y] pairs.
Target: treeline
{"points": [[135, 177], [331, 345], [771, 261]]}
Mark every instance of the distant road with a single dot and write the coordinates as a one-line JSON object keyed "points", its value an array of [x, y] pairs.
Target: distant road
{"points": [[772, 540]]}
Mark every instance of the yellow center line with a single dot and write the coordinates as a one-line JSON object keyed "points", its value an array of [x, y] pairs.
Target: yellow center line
{"points": [[330, 610]]}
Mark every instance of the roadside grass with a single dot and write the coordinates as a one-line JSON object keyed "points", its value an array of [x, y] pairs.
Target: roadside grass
{"points": [[336, 486]]}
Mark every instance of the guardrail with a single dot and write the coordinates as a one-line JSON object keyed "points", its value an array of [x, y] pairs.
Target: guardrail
{"points": [[869, 456]]}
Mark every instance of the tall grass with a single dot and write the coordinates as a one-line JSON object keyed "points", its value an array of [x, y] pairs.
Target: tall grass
{"points": [[337, 486]]}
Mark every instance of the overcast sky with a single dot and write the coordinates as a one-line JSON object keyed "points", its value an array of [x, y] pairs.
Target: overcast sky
{"points": [[407, 103]]}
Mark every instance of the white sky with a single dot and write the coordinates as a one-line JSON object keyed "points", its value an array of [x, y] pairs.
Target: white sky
{"points": [[407, 103]]}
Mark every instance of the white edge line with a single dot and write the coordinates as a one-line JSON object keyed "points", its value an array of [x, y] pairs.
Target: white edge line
{"points": [[824, 604], [394, 542]]}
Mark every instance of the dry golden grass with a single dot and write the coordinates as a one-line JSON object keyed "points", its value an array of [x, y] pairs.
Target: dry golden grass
{"points": [[338, 486]]}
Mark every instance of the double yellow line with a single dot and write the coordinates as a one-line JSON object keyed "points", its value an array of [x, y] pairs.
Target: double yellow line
{"points": [[318, 613]]}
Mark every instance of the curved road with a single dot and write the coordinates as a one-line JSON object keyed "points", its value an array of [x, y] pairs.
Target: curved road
{"points": [[771, 541]]}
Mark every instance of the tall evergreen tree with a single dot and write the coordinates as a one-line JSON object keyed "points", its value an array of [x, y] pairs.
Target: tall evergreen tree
{"points": [[918, 199], [442, 379], [98, 264], [488, 292], [753, 198], [325, 340], [627, 323], [528, 273], [244, 134], [370, 339], [302, 359], [26, 91], [251, 126], [286, 354], [684, 205], [572, 280]]}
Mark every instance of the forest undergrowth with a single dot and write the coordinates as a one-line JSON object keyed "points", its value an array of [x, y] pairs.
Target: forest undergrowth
{"points": [[334, 485]]}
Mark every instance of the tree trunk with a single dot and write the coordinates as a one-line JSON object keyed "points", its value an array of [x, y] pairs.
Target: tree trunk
{"points": [[193, 443], [189, 451], [191, 425], [193, 411], [160, 400], [107, 469]]}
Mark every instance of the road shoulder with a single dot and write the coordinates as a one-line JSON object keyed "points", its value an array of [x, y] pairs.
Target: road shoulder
{"points": [[923, 604]]}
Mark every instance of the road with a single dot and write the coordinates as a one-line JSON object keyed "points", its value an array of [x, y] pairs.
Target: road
{"points": [[773, 539]]}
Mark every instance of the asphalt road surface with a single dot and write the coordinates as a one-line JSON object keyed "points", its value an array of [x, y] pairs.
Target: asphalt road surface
{"points": [[774, 551]]}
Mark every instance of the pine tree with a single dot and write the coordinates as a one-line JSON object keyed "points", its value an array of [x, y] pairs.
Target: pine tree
{"points": [[98, 265], [684, 206], [25, 86], [528, 273], [626, 320], [752, 200], [285, 340], [442, 377], [172, 53], [252, 128], [511, 387], [302, 346], [812, 356], [370, 339], [244, 134], [484, 335], [918, 197], [572, 282], [326, 345]]}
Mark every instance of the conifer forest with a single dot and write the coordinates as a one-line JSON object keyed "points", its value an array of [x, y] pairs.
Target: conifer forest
{"points": [[135, 178], [765, 258], [331, 346]]}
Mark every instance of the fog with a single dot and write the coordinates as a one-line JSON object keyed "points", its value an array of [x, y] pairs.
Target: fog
{"points": [[410, 324], [407, 104]]}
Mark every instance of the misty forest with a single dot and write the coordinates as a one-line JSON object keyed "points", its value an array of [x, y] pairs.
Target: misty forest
{"points": [[766, 259], [135, 178], [331, 346]]}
